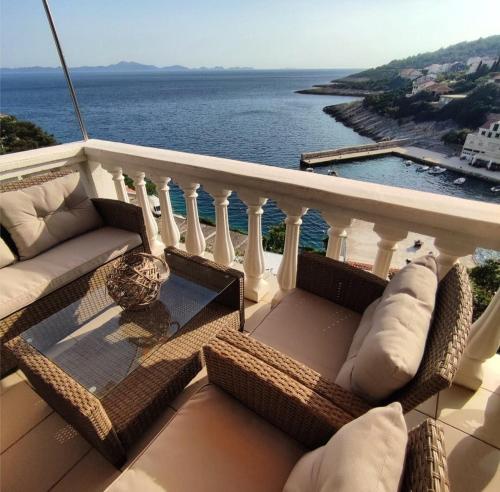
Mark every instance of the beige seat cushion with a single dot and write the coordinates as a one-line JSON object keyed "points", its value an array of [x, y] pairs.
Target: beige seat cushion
{"points": [[365, 455], [213, 444], [393, 348], [39, 217], [6, 255], [311, 330], [24, 282], [344, 376]]}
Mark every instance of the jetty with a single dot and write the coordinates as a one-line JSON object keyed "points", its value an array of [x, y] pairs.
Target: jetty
{"points": [[399, 149]]}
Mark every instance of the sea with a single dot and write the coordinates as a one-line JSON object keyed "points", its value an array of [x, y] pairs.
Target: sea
{"points": [[253, 116]]}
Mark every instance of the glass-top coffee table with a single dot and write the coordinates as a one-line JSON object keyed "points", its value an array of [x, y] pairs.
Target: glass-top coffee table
{"points": [[99, 365]]}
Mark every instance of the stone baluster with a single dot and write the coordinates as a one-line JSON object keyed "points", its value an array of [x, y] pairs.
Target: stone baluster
{"points": [[388, 244], [195, 241], [287, 272], [255, 285], [169, 231], [483, 343], [119, 181], [339, 222], [223, 248], [450, 250], [151, 226]]}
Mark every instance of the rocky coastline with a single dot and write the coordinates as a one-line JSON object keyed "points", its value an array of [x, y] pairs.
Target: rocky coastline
{"points": [[426, 134]]}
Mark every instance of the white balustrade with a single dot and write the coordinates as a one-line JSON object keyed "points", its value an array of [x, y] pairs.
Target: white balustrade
{"points": [[287, 272], [119, 181], [339, 222], [388, 244], [253, 264], [195, 241], [223, 248], [483, 343], [169, 231], [450, 251], [149, 221], [458, 225]]}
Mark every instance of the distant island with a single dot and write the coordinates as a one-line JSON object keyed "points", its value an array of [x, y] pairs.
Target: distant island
{"points": [[123, 66]]}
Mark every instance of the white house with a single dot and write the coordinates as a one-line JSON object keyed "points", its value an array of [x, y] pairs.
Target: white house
{"points": [[483, 147], [422, 83]]}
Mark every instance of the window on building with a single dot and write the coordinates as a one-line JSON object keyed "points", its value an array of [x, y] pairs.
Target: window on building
{"points": [[483, 132], [489, 134], [495, 127]]}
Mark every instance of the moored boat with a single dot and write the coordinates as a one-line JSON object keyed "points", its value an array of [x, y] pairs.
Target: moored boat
{"points": [[495, 189], [459, 181], [422, 169]]}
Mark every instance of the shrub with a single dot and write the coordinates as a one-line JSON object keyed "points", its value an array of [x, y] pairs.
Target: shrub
{"points": [[485, 281]]}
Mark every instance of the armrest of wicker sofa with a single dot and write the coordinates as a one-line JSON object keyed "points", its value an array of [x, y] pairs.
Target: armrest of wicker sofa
{"points": [[349, 402], [339, 282], [123, 215], [426, 466], [232, 296], [289, 405]]}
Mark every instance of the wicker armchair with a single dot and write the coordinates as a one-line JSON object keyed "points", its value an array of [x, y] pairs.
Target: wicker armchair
{"points": [[115, 214], [356, 289]]}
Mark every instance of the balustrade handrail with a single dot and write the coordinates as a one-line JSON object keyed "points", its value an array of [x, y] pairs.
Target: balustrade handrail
{"points": [[475, 222]]}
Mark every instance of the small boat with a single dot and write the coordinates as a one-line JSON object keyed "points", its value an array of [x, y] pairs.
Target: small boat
{"points": [[495, 189], [422, 169], [309, 169], [408, 162], [331, 172], [459, 181], [437, 170]]}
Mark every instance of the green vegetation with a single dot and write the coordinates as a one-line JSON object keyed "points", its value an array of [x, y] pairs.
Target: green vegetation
{"points": [[456, 137], [470, 112], [274, 240], [17, 135], [386, 77], [485, 281]]}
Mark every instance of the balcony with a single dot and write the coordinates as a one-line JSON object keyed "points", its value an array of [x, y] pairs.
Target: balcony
{"points": [[41, 452]]}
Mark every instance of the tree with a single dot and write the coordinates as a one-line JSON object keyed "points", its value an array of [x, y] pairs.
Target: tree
{"points": [[17, 135], [485, 281], [274, 240]]}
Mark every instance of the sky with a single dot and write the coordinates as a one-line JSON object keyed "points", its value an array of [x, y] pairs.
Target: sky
{"points": [[257, 33]]}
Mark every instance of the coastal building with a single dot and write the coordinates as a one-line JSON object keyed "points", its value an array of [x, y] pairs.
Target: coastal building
{"points": [[474, 62], [445, 99], [410, 73], [437, 68], [482, 149], [421, 83]]}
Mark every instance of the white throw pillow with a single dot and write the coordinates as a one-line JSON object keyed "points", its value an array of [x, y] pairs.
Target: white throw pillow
{"points": [[392, 351], [7, 257], [344, 376], [366, 454], [39, 217]]}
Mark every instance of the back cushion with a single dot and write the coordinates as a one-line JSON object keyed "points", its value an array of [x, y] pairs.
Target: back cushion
{"points": [[367, 454], [39, 217], [392, 350], [6, 255]]}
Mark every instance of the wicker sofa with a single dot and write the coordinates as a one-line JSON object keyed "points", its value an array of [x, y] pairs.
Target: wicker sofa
{"points": [[247, 428], [33, 289], [300, 339]]}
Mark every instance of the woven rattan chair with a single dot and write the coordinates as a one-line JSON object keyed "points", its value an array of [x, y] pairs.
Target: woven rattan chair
{"points": [[356, 289], [294, 419], [114, 213]]}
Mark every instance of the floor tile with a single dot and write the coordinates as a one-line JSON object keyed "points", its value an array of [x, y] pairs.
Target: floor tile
{"points": [[476, 413], [93, 473], [491, 380], [38, 460], [429, 407], [9, 382], [22, 409], [473, 466], [414, 418]]}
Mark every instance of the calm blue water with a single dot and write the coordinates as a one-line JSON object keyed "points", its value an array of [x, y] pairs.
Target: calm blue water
{"points": [[252, 116]]}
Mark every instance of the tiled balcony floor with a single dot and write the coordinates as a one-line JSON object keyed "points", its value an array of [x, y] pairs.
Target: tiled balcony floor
{"points": [[40, 452]]}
